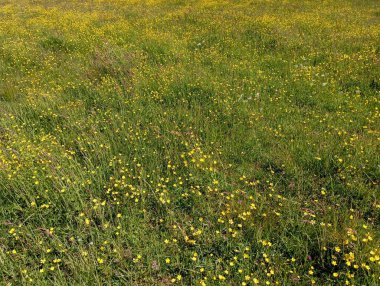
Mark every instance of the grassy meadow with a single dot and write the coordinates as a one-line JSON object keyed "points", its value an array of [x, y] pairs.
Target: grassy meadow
{"points": [[200, 142]]}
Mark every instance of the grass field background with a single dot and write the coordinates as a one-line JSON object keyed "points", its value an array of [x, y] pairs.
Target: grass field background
{"points": [[189, 142]]}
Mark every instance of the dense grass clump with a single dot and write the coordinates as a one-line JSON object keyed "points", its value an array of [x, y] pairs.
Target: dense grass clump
{"points": [[189, 142]]}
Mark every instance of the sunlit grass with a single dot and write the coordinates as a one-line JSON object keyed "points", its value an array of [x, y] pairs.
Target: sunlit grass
{"points": [[189, 142]]}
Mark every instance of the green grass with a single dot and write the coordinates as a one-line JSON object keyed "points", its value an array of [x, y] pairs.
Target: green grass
{"points": [[189, 142]]}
